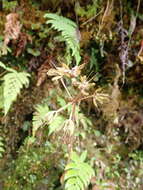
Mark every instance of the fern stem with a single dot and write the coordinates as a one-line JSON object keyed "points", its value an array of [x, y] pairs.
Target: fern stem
{"points": [[64, 107]]}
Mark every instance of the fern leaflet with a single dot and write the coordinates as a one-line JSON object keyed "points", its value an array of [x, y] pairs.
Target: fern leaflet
{"points": [[44, 116], [39, 117], [13, 83], [78, 173], [68, 31]]}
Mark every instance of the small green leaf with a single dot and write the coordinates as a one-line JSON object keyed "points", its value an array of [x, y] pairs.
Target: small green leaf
{"points": [[61, 101], [75, 157], [83, 156], [70, 174], [1, 144], [2, 65], [84, 180], [33, 52], [70, 166], [56, 124], [97, 133], [2, 149]]}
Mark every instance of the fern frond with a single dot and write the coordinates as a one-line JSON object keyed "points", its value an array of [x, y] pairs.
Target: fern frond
{"points": [[13, 83], [56, 124], [44, 116], [39, 117], [68, 31], [78, 173], [57, 17]]}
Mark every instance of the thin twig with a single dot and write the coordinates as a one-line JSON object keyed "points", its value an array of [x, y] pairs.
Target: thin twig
{"points": [[89, 20], [2, 73], [130, 35], [138, 7], [107, 11], [62, 81], [62, 108]]}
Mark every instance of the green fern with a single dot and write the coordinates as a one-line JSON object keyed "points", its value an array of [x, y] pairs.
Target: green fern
{"points": [[77, 173], [1, 98], [39, 117], [68, 31], [43, 116], [1, 147], [13, 83], [56, 124]]}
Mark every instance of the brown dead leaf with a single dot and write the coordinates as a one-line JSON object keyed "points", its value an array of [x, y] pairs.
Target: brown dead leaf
{"points": [[22, 41], [12, 28], [42, 72]]}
